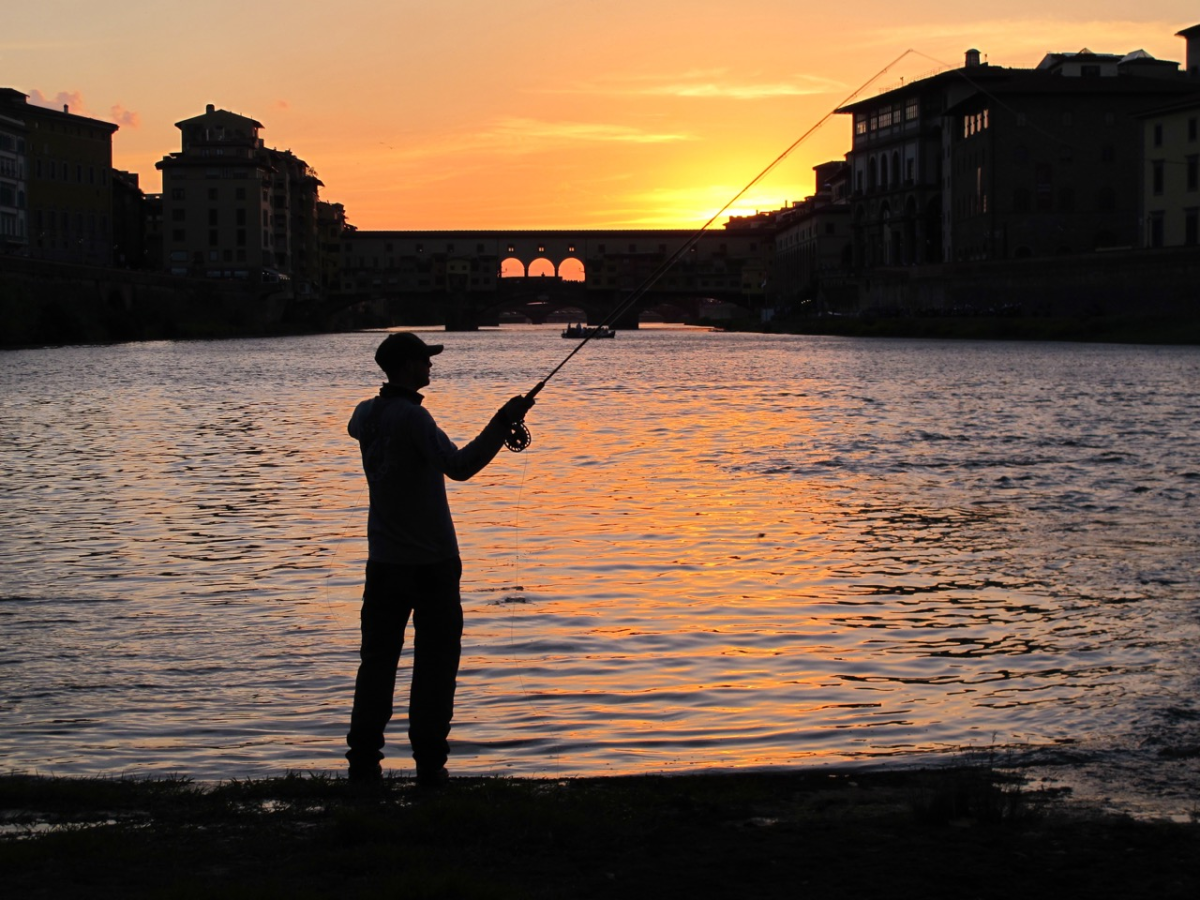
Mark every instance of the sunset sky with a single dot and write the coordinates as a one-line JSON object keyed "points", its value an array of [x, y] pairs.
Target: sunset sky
{"points": [[531, 113]]}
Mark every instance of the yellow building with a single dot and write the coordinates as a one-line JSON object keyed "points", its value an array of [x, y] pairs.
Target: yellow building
{"points": [[69, 181], [1170, 188]]}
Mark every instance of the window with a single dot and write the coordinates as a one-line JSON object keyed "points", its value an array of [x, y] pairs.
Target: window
{"points": [[1156, 177], [212, 193], [1158, 134], [912, 109], [1192, 170], [178, 213], [1191, 126], [1191, 226]]}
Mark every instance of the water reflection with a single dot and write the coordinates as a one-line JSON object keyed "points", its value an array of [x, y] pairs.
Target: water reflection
{"points": [[720, 550]]}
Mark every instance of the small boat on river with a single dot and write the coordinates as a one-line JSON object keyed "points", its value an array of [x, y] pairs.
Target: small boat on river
{"points": [[580, 330]]}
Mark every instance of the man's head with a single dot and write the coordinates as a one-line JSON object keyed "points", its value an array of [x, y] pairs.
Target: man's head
{"points": [[404, 357]]}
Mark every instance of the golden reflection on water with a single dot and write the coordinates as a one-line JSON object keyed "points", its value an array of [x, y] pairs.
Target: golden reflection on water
{"points": [[721, 550]]}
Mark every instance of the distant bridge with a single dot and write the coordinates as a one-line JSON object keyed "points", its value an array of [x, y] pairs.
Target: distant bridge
{"points": [[472, 277]]}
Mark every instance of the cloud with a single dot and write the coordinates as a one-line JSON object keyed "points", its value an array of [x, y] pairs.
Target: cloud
{"points": [[713, 83], [521, 129], [71, 99], [516, 137], [126, 118], [282, 105]]}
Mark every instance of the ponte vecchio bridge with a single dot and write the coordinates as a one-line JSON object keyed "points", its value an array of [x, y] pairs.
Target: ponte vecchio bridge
{"points": [[465, 279]]}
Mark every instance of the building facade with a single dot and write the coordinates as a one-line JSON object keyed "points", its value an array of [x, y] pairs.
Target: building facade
{"points": [[68, 177], [1045, 162], [897, 168], [14, 233], [1170, 187], [233, 208], [985, 162], [813, 240]]}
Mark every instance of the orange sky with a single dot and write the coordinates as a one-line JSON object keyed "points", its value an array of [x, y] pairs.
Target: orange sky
{"points": [[528, 113]]}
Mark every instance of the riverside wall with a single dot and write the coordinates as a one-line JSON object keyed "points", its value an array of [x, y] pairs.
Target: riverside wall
{"points": [[1143, 282], [45, 302]]}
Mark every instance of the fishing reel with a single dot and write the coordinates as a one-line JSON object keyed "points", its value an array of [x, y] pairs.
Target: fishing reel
{"points": [[518, 437]]}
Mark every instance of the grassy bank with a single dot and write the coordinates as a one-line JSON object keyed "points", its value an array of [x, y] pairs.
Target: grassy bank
{"points": [[951, 833]]}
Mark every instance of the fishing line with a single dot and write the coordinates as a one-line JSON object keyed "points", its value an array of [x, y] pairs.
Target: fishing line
{"points": [[519, 437]]}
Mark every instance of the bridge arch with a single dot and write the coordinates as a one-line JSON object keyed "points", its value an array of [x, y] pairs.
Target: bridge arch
{"points": [[572, 269], [541, 268], [512, 268]]}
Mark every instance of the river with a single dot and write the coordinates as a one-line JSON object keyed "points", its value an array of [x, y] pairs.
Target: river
{"points": [[721, 551]]}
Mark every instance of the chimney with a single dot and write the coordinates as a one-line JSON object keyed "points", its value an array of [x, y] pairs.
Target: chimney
{"points": [[1192, 37], [210, 109], [972, 59], [66, 108]]}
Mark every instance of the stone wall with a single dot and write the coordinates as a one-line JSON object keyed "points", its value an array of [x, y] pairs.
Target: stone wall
{"points": [[55, 303], [1144, 282]]}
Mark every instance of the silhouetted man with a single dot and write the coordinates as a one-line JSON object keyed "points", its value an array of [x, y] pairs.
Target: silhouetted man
{"points": [[413, 565]]}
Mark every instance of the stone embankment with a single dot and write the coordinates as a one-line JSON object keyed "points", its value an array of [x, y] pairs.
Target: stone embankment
{"points": [[43, 302]]}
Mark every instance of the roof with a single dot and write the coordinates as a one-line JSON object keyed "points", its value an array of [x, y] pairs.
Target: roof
{"points": [[16, 103], [221, 118], [922, 86]]}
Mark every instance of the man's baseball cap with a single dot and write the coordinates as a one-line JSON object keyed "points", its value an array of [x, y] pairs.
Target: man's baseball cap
{"points": [[401, 346]]}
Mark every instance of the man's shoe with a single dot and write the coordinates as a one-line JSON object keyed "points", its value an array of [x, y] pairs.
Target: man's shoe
{"points": [[430, 777], [366, 773]]}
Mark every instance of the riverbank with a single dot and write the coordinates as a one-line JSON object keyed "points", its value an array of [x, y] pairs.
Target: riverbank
{"points": [[1114, 329], [962, 832]]}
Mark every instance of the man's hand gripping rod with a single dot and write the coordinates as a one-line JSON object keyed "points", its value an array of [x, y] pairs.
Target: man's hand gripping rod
{"points": [[518, 432]]}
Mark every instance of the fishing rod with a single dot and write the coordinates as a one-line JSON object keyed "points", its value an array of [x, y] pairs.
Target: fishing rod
{"points": [[519, 437]]}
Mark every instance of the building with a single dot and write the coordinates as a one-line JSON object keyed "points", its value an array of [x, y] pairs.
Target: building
{"points": [[233, 208], [1169, 212], [813, 240], [1046, 162], [129, 221], [1170, 187], [331, 225], [68, 178], [14, 233], [984, 162], [897, 166]]}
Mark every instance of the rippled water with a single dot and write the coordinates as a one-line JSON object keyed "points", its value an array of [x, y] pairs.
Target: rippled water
{"points": [[721, 550]]}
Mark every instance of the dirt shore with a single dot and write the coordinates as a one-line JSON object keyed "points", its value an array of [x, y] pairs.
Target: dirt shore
{"points": [[962, 833]]}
